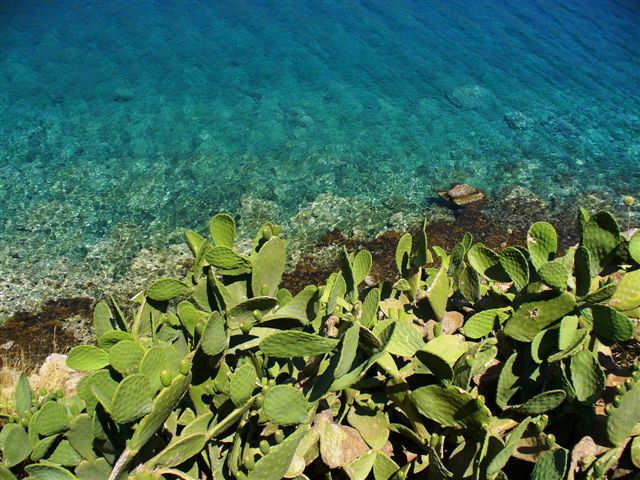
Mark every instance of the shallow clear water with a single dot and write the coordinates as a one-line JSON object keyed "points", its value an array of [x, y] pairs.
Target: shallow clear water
{"points": [[123, 121]]}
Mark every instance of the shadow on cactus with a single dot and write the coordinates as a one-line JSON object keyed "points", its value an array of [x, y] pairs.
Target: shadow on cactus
{"points": [[474, 364]]}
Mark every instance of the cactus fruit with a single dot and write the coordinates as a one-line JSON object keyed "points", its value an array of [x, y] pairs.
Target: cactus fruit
{"points": [[285, 405], [542, 241]]}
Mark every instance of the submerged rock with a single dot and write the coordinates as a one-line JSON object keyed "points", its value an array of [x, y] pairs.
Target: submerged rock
{"points": [[462, 194], [470, 97]]}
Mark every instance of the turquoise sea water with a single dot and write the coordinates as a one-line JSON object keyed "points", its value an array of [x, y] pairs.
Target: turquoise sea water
{"points": [[122, 122]]}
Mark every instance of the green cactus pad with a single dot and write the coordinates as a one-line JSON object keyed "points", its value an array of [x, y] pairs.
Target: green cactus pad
{"points": [[384, 467], [23, 395], [194, 241], [16, 446], [451, 407], [47, 471], [582, 269], [189, 316], [179, 450], [370, 307], [602, 294], [554, 274], [634, 247], [601, 236], [43, 447], [214, 338], [64, 454], [285, 405], [516, 265], [222, 229], [161, 408], [52, 418], [360, 468], [403, 252], [348, 350], [531, 317], [80, 436], [551, 466], [226, 258], [245, 311], [567, 331], [487, 263], [155, 360], [268, 267], [361, 266], [587, 377], [541, 403], [87, 357], [611, 326], [627, 294], [373, 426], [275, 464], [469, 284], [296, 308], [243, 383], [542, 242], [165, 289], [294, 343], [438, 293], [482, 323], [102, 318], [110, 338], [507, 382], [622, 419], [441, 353], [132, 399], [499, 461], [405, 339], [125, 356], [97, 469], [634, 452]]}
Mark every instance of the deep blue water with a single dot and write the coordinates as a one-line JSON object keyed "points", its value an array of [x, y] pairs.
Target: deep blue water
{"points": [[133, 119]]}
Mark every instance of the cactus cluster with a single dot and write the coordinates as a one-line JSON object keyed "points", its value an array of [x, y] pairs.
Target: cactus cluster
{"points": [[222, 374]]}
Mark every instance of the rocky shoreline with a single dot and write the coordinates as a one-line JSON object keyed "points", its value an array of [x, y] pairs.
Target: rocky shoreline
{"points": [[55, 316]]}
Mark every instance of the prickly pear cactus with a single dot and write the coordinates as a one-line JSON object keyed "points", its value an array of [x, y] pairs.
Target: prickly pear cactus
{"points": [[223, 374]]}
